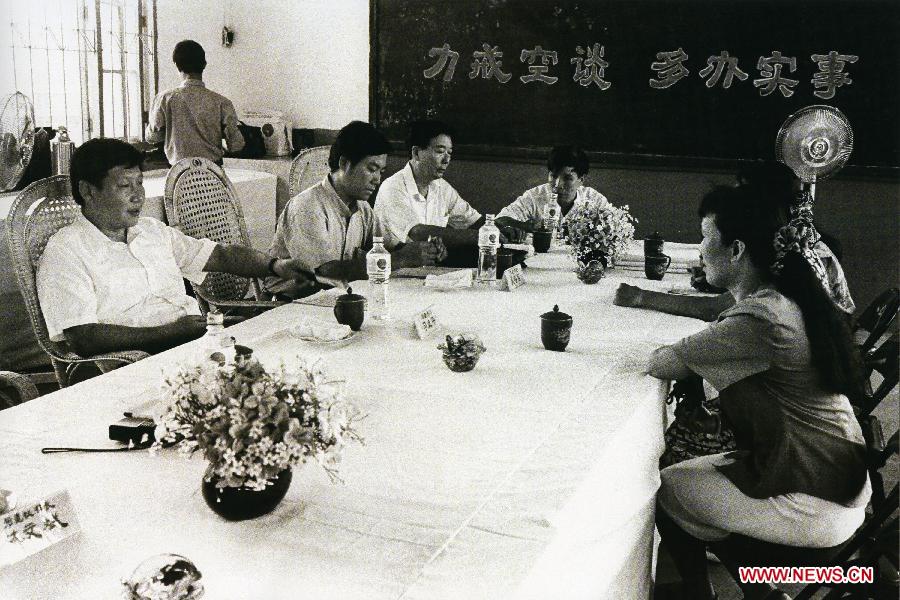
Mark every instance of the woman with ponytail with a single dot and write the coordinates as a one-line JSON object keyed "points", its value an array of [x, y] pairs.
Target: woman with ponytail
{"points": [[783, 363]]}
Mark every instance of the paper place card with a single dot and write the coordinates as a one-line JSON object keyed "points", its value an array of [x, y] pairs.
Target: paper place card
{"points": [[33, 527], [513, 278], [426, 323]]}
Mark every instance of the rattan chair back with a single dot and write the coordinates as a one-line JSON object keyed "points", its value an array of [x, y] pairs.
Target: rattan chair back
{"points": [[201, 202], [39, 211], [309, 168]]}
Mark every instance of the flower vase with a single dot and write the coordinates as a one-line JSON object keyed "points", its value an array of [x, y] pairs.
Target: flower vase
{"points": [[591, 272], [241, 503]]}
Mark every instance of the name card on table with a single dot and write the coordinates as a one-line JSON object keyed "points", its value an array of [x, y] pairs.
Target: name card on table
{"points": [[426, 323], [32, 528], [513, 278]]}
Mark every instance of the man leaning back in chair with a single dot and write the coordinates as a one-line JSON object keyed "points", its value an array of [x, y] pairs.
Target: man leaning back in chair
{"points": [[112, 280]]}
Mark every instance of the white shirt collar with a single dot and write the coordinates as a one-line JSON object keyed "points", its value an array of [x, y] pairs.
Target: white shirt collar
{"points": [[411, 186], [98, 236]]}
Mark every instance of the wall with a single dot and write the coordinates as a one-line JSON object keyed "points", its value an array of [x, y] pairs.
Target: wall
{"points": [[310, 58], [307, 58]]}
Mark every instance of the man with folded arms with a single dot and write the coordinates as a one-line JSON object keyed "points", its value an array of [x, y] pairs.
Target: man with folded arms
{"points": [[112, 280], [416, 202], [329, 227]]}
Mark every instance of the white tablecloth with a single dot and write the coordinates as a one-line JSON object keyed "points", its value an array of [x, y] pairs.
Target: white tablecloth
{"points": [[532, 476]]}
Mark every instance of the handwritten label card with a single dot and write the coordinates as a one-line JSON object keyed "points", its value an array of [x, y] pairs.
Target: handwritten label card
{"points": [[33, 527], [514, 278], [426, 323]]}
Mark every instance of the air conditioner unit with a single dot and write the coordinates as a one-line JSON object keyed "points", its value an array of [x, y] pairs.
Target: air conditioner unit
{"points": [[275, 131]]}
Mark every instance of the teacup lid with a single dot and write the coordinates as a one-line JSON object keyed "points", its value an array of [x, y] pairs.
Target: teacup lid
{"points": [[556, 315], [349, 297]]}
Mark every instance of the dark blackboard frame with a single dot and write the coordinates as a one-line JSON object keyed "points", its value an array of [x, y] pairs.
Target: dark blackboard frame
{"points": [[530, 153]]}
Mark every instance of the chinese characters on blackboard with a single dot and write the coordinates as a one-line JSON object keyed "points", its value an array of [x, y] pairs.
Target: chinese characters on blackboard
{"points": [[591, 62]]}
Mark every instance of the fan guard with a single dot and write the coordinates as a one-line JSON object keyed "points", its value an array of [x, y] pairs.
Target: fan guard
{"points": [[16, 138], [815, 142]]}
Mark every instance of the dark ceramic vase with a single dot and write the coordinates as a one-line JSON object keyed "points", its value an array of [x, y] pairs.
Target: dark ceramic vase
{"points": [[592, 272], [241, 503], [541, 240]]}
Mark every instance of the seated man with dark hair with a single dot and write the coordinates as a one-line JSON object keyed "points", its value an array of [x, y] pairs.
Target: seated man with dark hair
{"points": [[329, 227], [567, 168], [112, 280], [190, 119], [416, 203]]}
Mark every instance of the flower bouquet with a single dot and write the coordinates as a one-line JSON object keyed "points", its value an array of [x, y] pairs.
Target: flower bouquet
{"points": [[597, 232], [253, 425], [461, 352]]}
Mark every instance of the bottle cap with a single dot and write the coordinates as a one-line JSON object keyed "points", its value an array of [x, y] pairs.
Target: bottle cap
{"points": [[377, 239]]}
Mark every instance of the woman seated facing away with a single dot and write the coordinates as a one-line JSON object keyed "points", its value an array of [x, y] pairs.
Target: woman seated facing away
{"points": [[783, 363]]}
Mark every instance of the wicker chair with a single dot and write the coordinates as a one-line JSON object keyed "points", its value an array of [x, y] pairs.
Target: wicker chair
{"points": [[201, 202], [39, 211], [308, 168], [21, 384]]}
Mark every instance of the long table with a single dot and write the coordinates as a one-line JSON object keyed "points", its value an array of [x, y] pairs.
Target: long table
{"points": [[533, 476]]}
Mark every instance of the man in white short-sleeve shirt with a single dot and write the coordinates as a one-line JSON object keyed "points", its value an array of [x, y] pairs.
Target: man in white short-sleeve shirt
{"points": [[417, 203], [567, 168], [112, 280], [329, 227]]}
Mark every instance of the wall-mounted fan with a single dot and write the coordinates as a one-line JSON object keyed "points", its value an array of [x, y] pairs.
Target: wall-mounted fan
{"points": [[16, 138], [815, 142]]}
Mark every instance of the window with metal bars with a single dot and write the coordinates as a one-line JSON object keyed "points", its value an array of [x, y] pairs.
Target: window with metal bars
{"points": [[87, 64]]}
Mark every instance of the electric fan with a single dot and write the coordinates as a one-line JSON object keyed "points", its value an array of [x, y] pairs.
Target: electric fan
{"points": [[16, 138], [815, 142]]}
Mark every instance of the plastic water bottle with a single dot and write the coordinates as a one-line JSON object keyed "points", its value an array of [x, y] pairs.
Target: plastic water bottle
{"points": [[216, 343], [488, 242], [551, 216], [378, 268], [61, 151]]}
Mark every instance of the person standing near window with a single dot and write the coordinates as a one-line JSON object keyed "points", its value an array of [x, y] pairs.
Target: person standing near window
{"points": [[191, 119]]}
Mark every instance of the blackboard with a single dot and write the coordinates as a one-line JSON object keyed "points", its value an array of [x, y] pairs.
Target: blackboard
{"points": [[696, 117]]}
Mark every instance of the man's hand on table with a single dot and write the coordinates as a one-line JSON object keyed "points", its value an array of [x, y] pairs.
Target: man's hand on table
{"points": [[418, 254], [628, 295], [189, 326], [291, 270]]}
